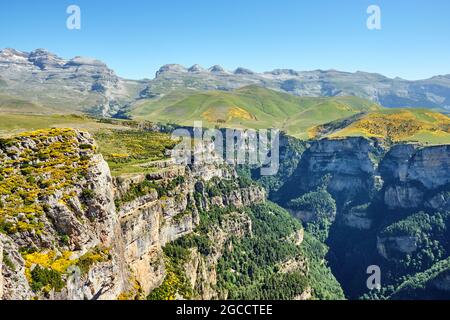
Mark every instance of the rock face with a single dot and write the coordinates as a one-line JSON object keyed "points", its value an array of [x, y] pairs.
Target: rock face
{"points": [[14, 285], [348, 163], [80, 84], [407, 176], [373, 184], [201, 270], [430, 166], [98, 250], [357, 219], [388, 195], [412, 172], [151, 221], [426, 165], [88, 220], [392, 204], [403, 196]]}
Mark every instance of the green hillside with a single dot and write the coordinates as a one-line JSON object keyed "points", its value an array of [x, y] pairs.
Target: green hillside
{"points": [[419, 125], [12, 104], [14, 123], [254, 107], [250, 107]]}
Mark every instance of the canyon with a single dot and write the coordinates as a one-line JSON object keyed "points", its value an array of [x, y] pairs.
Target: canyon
{"points": [[118, 237], [96, 234]]}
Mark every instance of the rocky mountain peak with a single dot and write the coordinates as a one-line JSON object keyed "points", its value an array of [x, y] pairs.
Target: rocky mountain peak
{"points": [[80, 61], [11, 56], [243, 71], [280, 72], [10, 52], [216, 69], [196, 68], [40, 52], [444, 77], [44, 59], [171, 68]]}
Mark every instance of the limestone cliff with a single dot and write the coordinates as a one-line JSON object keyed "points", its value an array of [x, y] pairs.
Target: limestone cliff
{"points": [[372, 182], [58, 212], [405, 176], [413, 172], [392, 205], [68, 230], [152, 220], [351, 164]]}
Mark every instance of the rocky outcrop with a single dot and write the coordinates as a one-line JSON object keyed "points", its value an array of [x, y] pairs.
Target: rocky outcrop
{"points": [[407, 176], [404, 195], [306, 295], [239, 198], [147, 225], [395, 199], [394, 166], [13, 283], [439, 201], [78, 207]]}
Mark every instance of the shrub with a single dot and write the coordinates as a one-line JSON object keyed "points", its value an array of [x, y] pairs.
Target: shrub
{"points": [[7, 262], [88, 194], [86, 146], [42, 277], [65, 239], [89, 259]]}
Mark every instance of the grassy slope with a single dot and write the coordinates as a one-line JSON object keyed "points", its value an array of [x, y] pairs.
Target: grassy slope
{"points": [[420, 125], [12, 123], [131, 151], [252, 107], [12, 104]]}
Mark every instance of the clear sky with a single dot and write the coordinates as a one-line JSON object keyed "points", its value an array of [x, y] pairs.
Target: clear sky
{"points": [[136, 37]]}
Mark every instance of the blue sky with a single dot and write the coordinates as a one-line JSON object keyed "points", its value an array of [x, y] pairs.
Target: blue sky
{"points": [[136, 37]]}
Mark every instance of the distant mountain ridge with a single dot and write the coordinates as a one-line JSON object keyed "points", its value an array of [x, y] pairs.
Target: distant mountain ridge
{"points": [[79, 84], [391, 93], [88, 85]]}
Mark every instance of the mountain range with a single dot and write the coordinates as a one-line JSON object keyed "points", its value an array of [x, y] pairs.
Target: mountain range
{"points": [[431, 93], [43, 82], [66, 86]]}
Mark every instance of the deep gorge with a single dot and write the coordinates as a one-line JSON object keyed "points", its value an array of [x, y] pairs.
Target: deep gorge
{"points": [[70, 230]]}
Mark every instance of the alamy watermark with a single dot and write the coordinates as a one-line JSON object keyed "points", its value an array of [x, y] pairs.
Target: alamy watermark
{"points": [[374, 19], [73, 22], [233, 146], [374, 280]]}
